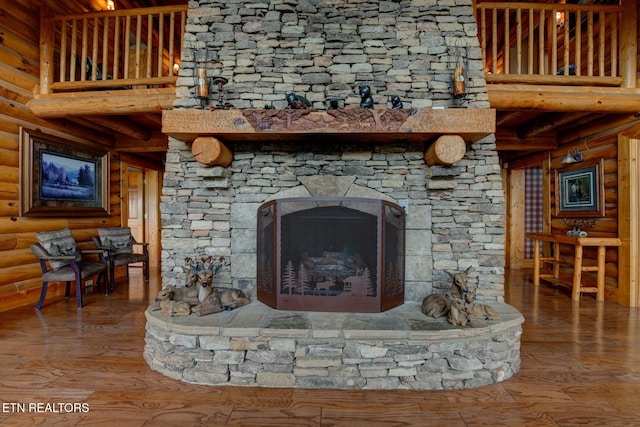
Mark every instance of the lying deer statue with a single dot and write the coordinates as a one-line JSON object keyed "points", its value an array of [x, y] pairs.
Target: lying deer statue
{"points": [[198, 296], [458, 304], [438, 305], [213, 300], [478, 311]]}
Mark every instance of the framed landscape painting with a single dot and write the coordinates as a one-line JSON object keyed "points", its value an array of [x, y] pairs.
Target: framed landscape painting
{"points": [[580, 190], [61, 177]]}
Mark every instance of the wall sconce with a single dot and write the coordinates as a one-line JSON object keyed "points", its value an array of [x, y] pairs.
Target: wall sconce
{"points": [[459, 77], [459, 88], [572, 156], [202, 86]]}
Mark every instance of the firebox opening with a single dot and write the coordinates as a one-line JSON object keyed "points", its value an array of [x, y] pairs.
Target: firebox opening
{"points": [[331, 254]]}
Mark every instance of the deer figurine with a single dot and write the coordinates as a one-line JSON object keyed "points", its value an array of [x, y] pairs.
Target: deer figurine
{"points": [[438, 304]]}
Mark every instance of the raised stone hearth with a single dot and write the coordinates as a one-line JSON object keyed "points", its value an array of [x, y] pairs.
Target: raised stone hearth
{"points": [[398, 349]]}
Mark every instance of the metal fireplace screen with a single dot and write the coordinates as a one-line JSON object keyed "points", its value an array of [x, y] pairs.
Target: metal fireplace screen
{"points": [[331, 254]]}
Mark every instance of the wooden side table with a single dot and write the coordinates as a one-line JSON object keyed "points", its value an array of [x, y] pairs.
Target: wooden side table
{"points": [[579, 243]]}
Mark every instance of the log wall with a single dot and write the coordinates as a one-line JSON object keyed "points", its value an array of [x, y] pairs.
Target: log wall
{"points": [[20, 276], [595, 142]]}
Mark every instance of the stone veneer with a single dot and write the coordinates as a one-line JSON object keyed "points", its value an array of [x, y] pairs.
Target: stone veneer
{"points": [[323, 49]]}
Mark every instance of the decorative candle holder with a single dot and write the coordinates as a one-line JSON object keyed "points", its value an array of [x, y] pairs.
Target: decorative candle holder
{"points": [[220, 82], [577, 224]]}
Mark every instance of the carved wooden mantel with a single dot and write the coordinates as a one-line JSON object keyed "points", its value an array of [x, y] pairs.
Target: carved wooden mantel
{"points": [[347, 125]]}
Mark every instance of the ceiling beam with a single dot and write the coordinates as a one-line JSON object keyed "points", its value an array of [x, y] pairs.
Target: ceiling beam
{"points": [[546, 123], [508, 140], [158, 142], [122, 125]]}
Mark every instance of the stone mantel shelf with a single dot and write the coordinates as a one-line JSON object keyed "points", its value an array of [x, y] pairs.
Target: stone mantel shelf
{"points": [[347, 125]]}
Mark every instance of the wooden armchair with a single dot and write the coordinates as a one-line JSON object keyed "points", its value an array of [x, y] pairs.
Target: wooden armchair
{"points": [[61, 261], [117, 244]]}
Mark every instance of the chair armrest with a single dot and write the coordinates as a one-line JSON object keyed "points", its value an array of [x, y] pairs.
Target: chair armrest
{"points": [[100, 250], [60, 257]]}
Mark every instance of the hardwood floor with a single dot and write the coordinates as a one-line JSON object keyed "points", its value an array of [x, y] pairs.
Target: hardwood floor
{"points": [[580, 366]]}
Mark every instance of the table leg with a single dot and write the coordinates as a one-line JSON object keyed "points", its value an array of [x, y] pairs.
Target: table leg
{"points": [[577, 273], [601, 261], [536, 262]]}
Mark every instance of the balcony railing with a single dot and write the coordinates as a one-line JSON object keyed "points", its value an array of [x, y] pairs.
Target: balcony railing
{"points": [[111, 49], [552, 43]]}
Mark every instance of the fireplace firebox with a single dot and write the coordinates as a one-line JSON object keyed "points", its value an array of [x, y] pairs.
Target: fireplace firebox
{"points": [[331, 254]]}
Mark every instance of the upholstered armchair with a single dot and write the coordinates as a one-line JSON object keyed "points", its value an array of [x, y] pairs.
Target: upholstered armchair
{"points": [[61, 261], [118, 244]]}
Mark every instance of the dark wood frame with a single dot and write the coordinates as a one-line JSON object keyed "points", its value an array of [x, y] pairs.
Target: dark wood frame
{"points": [[590, 178], [33, 144]]}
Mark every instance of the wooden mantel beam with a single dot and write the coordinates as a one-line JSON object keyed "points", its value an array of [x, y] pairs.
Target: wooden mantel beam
{"points": [[564, 99], [348, 125], [107, 102]]}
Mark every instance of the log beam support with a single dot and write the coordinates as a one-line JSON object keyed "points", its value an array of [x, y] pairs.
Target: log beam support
{"points": [[563, 99], [108, 102], [446, 150], [211, 151]]}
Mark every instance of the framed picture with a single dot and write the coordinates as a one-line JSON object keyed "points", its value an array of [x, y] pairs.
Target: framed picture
{"points": [[60, 177], [580, 190]]}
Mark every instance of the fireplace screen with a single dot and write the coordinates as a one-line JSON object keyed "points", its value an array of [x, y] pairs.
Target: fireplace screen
{"points": [[331, 254]]}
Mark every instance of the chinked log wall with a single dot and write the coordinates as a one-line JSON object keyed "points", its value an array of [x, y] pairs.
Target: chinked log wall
{"points": [[20, 276]]}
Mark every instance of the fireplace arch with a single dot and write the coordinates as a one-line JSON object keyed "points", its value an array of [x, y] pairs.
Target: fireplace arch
{"points": [[330, 254]]}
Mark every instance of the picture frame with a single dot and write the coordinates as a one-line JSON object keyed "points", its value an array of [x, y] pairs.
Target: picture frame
{"points": [[580, 190], [60, 177]]}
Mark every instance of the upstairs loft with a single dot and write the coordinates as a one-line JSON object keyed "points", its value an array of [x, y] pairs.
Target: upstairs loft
{"points": [[548, 66]]}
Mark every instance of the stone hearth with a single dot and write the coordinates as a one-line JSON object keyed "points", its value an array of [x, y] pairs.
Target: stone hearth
{"points": [[398, 349]]}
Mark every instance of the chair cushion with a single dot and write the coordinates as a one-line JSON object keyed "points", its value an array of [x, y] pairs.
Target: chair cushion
{"points": [[66, 273], [57, 243], [118, 239]]}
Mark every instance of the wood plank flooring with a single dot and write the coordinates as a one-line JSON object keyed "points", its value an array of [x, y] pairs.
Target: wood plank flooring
{"points": [[580, 366]]}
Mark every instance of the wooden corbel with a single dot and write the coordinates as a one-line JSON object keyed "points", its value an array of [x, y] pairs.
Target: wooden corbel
{"points": [[446, 150], [210, 151]]}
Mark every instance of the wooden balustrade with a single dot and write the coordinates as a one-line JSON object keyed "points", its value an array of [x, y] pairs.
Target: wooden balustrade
{"points": [[111, 49], [563, 44]]}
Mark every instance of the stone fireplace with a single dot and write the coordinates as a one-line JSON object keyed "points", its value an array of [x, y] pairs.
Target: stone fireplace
{"points": [[368, 167]]}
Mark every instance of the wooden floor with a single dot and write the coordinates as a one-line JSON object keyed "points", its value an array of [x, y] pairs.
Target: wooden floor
{"points": [[580, 366]]}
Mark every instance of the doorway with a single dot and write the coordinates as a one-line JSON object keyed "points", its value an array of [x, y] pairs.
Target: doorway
{"points": [[141, 207], [525, 213]]}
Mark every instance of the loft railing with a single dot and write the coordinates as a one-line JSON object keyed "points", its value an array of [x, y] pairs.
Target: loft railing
{"points": [[111, 49], [552, 43]]}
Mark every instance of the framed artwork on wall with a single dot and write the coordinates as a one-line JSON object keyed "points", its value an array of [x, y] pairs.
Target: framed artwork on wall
{"points": [[60, 177], [580, 190]]}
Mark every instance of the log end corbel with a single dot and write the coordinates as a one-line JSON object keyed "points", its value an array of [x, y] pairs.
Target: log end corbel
{"points": [[210, 151], [445, 151]]}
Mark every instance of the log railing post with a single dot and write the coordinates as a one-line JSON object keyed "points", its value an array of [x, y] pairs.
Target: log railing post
{"points": [[47, 36], [628, 43]]}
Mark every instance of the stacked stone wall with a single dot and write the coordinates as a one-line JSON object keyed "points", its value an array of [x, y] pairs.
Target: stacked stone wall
{"points": [[325, 49], [455, 214]]}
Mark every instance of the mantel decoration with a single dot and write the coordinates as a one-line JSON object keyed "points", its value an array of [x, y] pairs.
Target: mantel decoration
{"points": [[580, 190], [60, 177]]}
